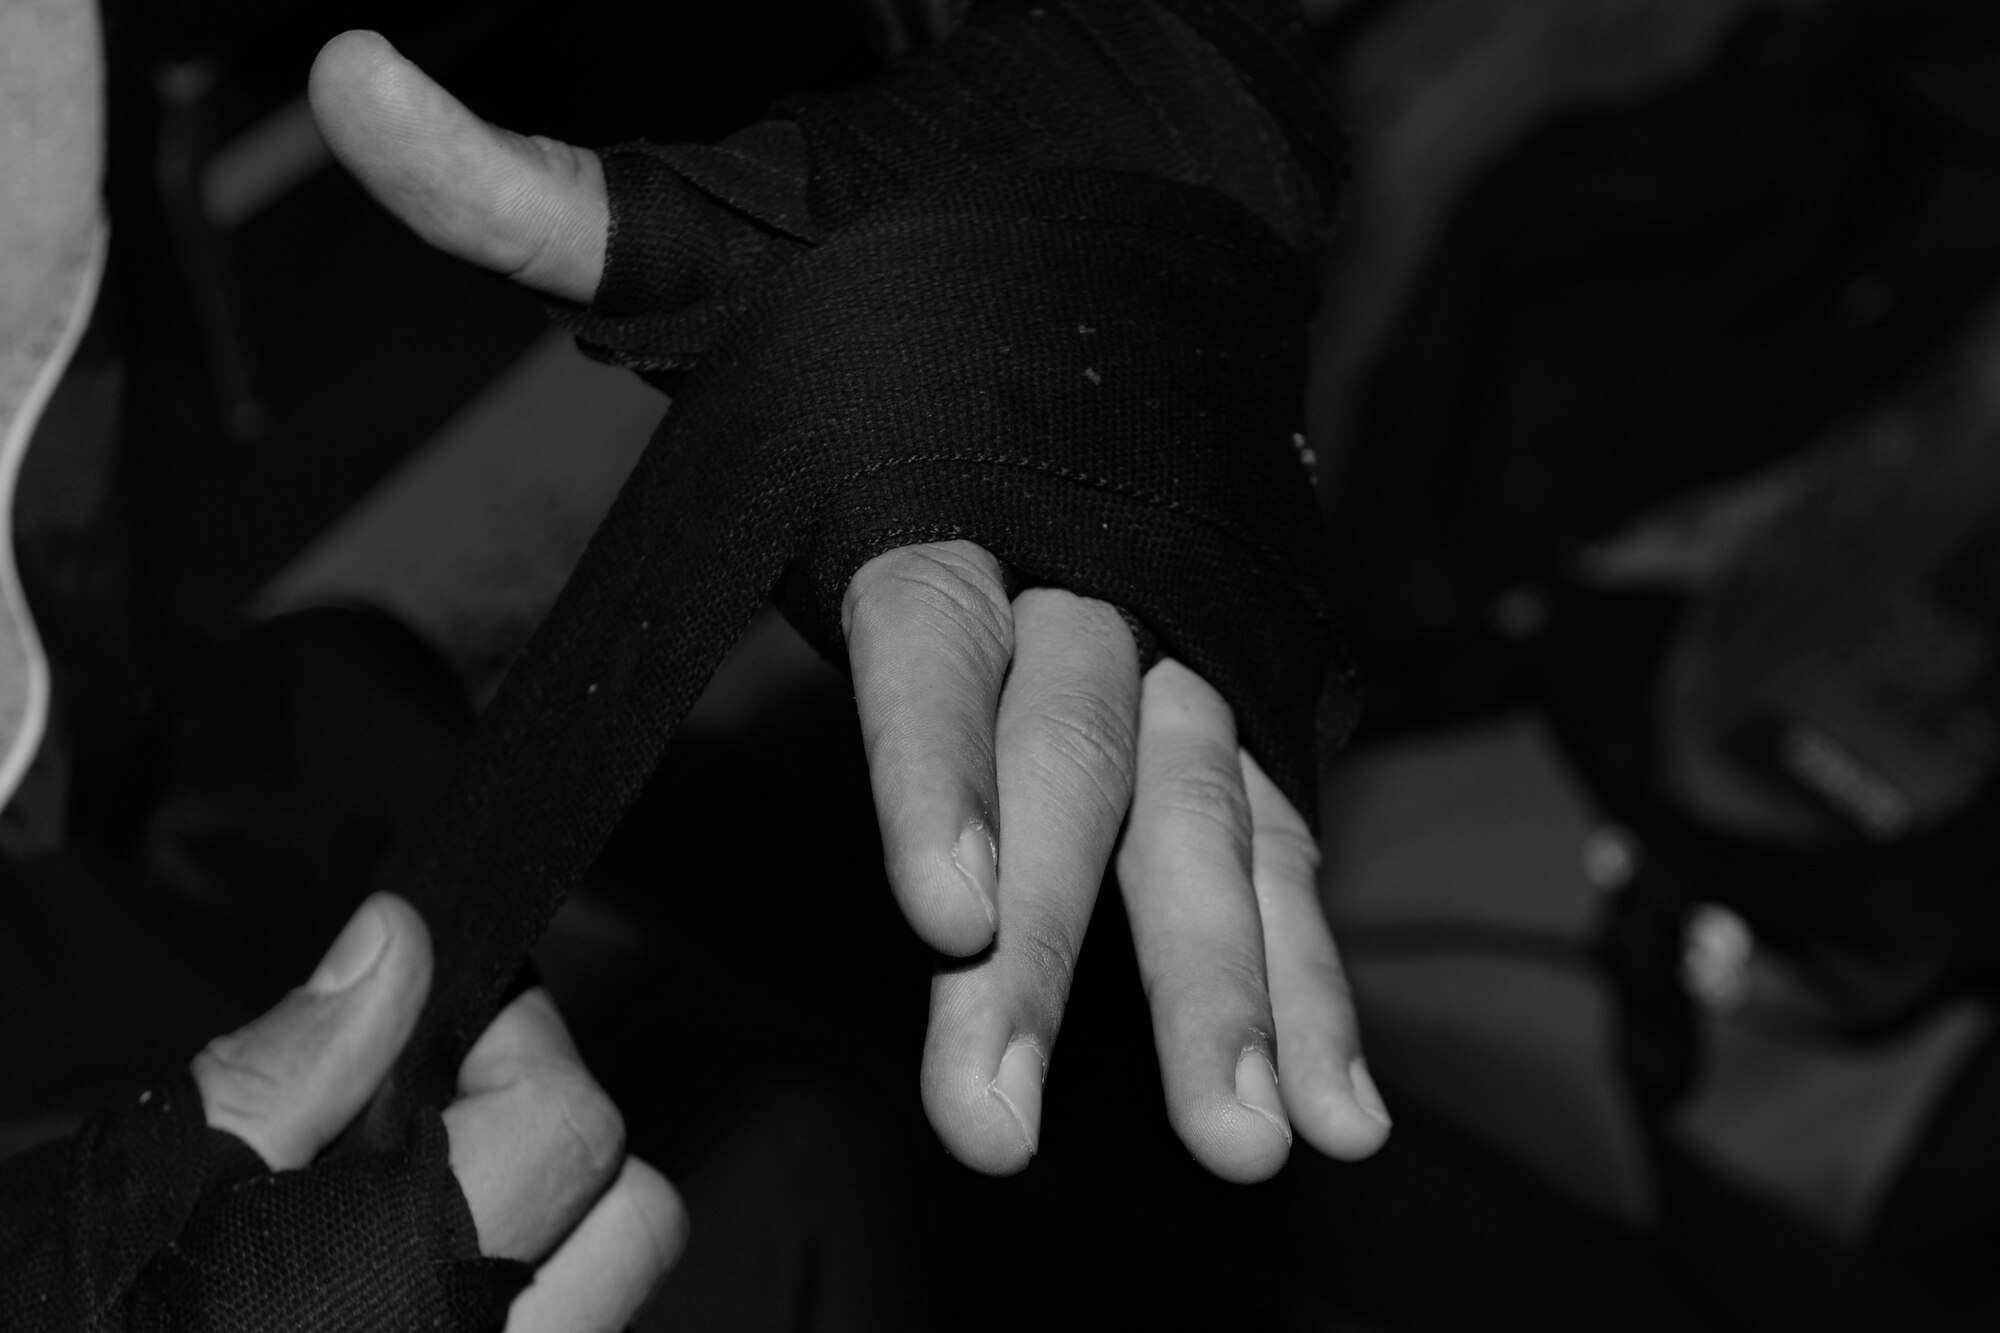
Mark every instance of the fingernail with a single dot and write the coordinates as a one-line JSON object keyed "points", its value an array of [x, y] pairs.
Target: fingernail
{"points": [[973, 855], [1366, 1095], [1018, 1085], [353, 954], [1257, 1088]]}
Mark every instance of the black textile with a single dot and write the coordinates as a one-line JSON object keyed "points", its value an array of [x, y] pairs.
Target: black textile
{"points": [[147, 1220], [1043, 288]]}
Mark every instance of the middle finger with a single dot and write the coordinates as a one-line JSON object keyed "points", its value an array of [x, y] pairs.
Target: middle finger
{"points": [[1063, 756]]}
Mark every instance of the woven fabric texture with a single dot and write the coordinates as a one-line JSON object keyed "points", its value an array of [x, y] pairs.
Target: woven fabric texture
{"points": [[148, 1221]]}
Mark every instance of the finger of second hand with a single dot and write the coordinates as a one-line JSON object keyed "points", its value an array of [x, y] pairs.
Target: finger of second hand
{"points": [[1328, 1092], [1064, 741], [929, 637], [1185, 872], [534, 1140], [600, 1276]]}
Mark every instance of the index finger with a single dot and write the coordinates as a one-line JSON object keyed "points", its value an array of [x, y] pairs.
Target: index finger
{"points": [[930, 634]]}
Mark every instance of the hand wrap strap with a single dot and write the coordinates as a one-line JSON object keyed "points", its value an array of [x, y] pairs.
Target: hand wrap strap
{"points": [[146, 1220], [1041, 288]]}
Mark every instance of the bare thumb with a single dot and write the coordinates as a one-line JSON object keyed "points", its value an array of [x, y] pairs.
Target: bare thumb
{"points": [[526, 207], [289, 1082]]}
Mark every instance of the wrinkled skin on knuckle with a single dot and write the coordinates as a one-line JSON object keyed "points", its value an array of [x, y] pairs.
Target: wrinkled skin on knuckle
{"points": [[1290, 850], [906, 626], [1208, 980], [239, 1057], [563, 1117], [1149, 865], [954, 591], [534, 243], [1086, 752], [975, 629], [1208, 806], [249, 1070], [1099, 634], [238, 1085], [1044, 960], [592, 1130]]}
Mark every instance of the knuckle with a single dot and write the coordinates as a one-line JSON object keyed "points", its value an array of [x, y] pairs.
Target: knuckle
{"points": [[1047, 959], [544, 179], [1187, 832], [1239, 973], [236, 1068], [1207, 801], [558, 159], [593, 1122], [1081, 614], [952, 591], [1088, 737], [1096, 630], [583, 1127], [951, 614], [1227, 981], [1288, 850]]}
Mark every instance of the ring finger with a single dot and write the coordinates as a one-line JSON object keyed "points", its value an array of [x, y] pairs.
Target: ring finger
{"points": [[1185, 871]]}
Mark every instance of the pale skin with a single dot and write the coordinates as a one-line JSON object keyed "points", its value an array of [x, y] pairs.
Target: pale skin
{"points": [[536, 1145], [1013, 747]]}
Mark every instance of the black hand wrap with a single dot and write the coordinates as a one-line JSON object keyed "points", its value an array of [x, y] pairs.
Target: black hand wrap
{"points": [[1043, 288], [146, 1220]]}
